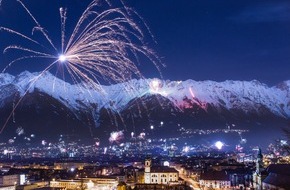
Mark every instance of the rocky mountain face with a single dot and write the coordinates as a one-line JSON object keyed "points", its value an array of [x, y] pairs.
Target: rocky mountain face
{"points": [[48, 105]]}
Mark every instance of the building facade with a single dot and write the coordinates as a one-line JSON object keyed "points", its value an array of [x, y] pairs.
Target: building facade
{"points": [[215, 180], [159, 174], [86, 183], [260, 174], [8, 180]]}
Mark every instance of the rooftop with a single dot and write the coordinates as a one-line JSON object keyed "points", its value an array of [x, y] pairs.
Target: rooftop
{"points": [[162, 169], [283, 169], [214, 175]]}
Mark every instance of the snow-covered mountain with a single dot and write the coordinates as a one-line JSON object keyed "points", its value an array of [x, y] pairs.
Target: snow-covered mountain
{"points": [[247, 96], [137, 98]]}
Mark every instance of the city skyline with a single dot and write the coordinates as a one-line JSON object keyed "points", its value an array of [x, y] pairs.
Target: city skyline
{"points": [[115, 42], [140, 94]]}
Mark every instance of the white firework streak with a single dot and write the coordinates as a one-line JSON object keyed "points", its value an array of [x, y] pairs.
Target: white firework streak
{"points": [[105, 44]]}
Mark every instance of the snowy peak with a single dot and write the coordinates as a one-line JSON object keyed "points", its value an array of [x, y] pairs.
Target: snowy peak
{"points": [[5, 79], [284, 86], [229, 94], [245, 96]]}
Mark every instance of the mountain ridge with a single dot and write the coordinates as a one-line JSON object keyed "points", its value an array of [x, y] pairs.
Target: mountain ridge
{"points": [[244, 95], [50, 105]]}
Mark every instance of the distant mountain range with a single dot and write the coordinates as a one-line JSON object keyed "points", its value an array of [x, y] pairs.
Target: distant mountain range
{"points": [[51, 106]]}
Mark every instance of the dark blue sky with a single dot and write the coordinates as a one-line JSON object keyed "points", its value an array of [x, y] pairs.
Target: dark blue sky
{"points": [[196, 39]]}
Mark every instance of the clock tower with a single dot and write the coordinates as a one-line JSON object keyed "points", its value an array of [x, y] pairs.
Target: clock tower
{"points": [[147, 176]]}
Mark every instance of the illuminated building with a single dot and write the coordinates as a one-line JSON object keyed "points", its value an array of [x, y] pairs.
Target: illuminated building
{"points": [[215, 180], [67, 184], [69, 165], [159, 174], [7, 187], [259, 174], [7, 180], [104, 182], [86, 183], [122, 186]]}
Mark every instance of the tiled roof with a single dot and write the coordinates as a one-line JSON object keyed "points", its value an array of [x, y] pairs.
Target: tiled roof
{"points": [[283, 169], [282, 181], [162, 169], [215, 175]]}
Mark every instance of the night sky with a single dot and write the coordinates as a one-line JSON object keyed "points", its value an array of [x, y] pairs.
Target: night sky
{"points": [[196, 39]]}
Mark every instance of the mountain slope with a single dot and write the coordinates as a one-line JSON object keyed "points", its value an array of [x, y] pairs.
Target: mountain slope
{"points": [[138, 102]]}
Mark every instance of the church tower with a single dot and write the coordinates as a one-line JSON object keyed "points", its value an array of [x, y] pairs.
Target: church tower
{"points": [[259, 162], [257, 177], [147, 175]]}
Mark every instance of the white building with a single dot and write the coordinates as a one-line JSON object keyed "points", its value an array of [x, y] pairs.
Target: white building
{"points": [[86, 183], [8, 180], [259, 174], [159, 174], [8, 187], [215, 180]]}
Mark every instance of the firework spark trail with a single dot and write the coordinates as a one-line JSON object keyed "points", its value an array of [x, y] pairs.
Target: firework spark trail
{"points": [[83, 17], [105, 44], [22, 58], [63, 18], [100, 36], [17, 33], [38, 25], [33, 81], [27, 50]]}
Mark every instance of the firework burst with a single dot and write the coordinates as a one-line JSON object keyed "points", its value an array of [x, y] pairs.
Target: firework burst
{"points": [[103, 45], [116, 136], [106, 44]]}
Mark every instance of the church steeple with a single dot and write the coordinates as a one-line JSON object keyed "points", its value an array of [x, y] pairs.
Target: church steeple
{"points": [[148, 164], [257, 176], [147, 174], [259, 162]]}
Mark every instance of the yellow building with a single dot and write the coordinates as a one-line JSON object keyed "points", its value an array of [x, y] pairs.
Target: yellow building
{"points": [[122, 186], [86, 183], [68, 184], [70, 165]]}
